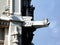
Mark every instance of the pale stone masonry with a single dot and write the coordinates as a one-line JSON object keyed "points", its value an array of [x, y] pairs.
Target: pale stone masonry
{"points": [[16, 22]]}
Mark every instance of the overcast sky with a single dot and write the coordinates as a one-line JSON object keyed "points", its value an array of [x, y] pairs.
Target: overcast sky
{"points": [[47, 9]]}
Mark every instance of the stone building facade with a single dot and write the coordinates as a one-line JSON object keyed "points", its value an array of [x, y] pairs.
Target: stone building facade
{"points": [[16, 22]]}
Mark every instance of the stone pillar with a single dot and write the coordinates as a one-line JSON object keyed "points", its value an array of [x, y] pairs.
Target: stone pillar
{"points": [[6, 36], [11, 6], [9, 34]]}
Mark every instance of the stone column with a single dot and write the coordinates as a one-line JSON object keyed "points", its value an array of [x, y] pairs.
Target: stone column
{"points": [[9, 34], [11, 6], [6, 36]]}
